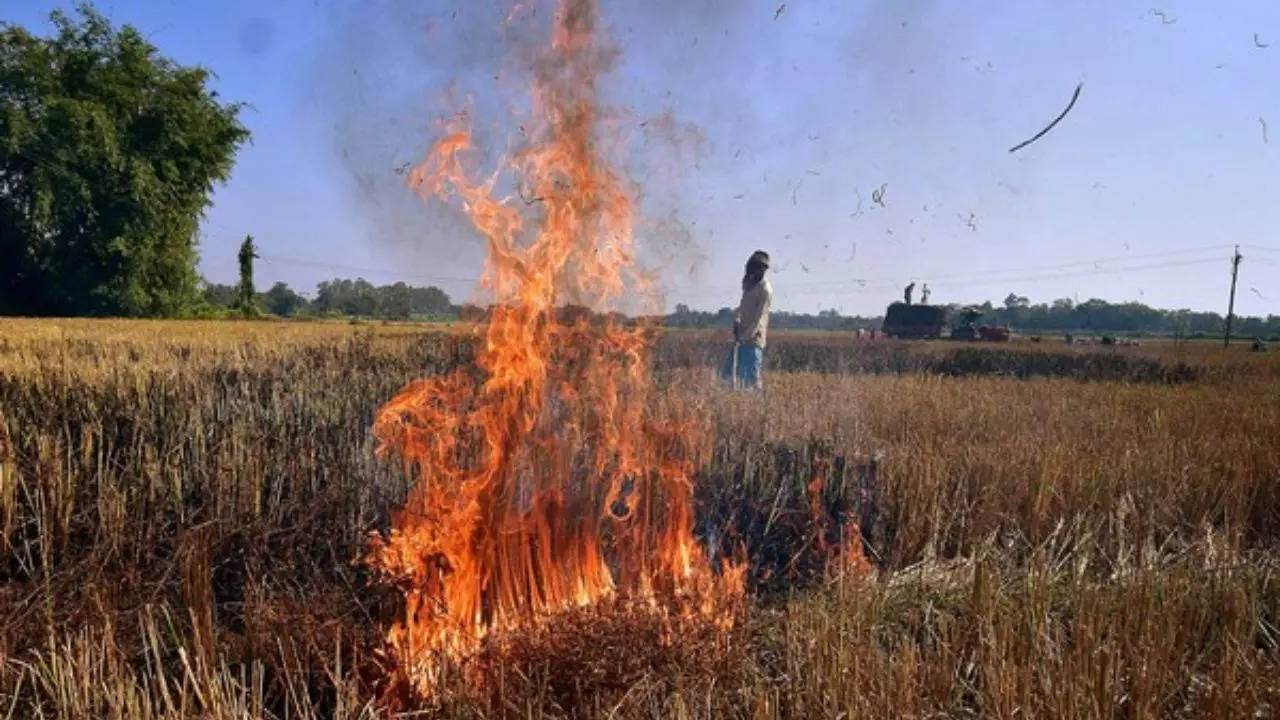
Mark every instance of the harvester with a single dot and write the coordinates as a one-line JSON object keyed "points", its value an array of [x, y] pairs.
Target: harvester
{"points": [[968, 329]]}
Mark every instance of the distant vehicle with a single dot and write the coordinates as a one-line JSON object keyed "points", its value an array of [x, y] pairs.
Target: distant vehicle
{"points": [[968, 329], [914, 321], [927, 321], [993, 333]]}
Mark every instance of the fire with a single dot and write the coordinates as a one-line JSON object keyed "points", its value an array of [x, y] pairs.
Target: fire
{"points": [[844, 556], [551, 475]]}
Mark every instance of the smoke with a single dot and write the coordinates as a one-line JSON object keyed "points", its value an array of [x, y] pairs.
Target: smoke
{"points": [[392, 73]]}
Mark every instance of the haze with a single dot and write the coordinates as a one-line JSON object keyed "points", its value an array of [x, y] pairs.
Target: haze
{"points": [[786, 120]]}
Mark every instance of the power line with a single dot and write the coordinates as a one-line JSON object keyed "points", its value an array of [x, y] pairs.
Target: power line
{"points": [[1002, 278], [1084, 263], [985, 274], [1262, 248], [1086, 273], [1012, 275], [857, 286]]}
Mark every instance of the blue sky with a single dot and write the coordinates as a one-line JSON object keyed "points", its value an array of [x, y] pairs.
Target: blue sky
{"points": [[785, 123]]}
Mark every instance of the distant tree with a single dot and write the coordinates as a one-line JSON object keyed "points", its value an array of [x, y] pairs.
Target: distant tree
{"points": [[283, 301], [108, 155], [1013, 300], [347, 297], [398, 301], [431, 301], [219, 295], [395, 301], [246, 295]]}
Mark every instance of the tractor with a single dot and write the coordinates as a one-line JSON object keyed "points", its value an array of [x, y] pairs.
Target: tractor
{"points": [[968, 329]]}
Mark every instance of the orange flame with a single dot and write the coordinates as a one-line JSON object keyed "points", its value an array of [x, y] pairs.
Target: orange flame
{"points": [[846, 556], [552, 477]]}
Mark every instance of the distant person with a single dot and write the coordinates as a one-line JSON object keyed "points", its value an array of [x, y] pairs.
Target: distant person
{"points": [[924, 294], [906, 293], [750, 325]]}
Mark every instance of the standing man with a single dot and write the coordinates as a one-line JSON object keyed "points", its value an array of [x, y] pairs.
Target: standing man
{"points": [[906, 292], [751, 324]]}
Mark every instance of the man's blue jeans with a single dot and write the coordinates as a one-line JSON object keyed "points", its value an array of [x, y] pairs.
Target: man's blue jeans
{"points": [[750, 362]]}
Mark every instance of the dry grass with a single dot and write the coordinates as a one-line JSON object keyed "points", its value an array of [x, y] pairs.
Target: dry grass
{"points": [[181, 505]]}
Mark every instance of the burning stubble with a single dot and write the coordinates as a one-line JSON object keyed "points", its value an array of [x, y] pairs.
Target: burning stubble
{"points": [[552, 479]]}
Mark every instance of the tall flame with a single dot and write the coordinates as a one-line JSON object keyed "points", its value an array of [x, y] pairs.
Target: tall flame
{"points": [[549, 476]]}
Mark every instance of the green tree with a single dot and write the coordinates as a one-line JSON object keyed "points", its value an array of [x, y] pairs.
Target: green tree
{"points": [[219, 295], [283, 301], [399, 301], [244, 290], [1014, 300], [395, 301], [431, 301], [108, 155], [348, 297]]}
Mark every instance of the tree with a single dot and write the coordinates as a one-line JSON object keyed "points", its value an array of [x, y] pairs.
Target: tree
{"points": [[283, 301], [219, 295], [245, 300], [1013, 300], [395, 301], [348, 297], [108, 155], [431, 301]]}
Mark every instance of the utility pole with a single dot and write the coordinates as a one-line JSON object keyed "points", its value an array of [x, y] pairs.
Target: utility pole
{"points": [[1231, 304]]}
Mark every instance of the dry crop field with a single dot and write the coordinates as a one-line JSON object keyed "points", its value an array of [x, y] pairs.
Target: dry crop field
{"points": [[1048, 531]]}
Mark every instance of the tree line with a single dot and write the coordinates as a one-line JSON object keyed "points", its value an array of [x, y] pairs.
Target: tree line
{"points": [[1061, 315], [340, 297]]}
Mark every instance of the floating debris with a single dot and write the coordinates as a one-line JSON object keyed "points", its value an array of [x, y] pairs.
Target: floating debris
{"points": [[1050, 126], [877, 195]]}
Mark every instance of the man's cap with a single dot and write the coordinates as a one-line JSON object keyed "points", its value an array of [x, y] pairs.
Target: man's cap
{"points": [[759, 257]]}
